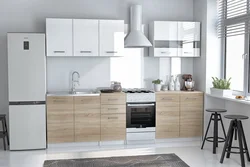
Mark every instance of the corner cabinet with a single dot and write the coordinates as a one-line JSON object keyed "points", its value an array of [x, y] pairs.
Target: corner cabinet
{"points": [[85, 37], [59, 37], [174, 39], [111, 40]]}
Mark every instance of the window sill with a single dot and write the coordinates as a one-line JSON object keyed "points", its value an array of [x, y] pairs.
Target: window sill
{"points": [[229, 98]]}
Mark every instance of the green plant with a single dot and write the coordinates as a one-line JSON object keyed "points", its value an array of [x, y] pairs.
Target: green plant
{"points": [[158, 81], [221, 83]]}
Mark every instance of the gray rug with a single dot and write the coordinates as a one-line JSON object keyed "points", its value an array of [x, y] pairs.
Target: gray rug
{"points": [[164, 160]]}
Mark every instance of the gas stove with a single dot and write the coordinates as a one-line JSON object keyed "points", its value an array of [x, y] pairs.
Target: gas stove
{"points": [[139, 95]]}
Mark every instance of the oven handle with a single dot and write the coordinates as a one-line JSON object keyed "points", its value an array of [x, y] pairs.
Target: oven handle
{"points": [[138, 105]]}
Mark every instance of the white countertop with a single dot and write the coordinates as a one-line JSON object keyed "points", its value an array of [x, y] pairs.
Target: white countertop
{"points": [[66, 93], [229, 98]]}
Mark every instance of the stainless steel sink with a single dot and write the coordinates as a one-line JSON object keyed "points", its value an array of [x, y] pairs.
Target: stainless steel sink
{"points": [[85, 93]]}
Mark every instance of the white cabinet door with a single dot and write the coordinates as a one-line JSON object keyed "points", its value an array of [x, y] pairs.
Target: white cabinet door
{"points": [[85, 35], [166, 30], [111, 37], [59, 33], [188, 31]]}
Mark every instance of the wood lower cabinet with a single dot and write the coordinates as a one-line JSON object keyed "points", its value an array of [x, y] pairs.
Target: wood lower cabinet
{"points": [[167, 115], [113, 116], [179, 114], [87, 119], [191, 114], [60, 119]]}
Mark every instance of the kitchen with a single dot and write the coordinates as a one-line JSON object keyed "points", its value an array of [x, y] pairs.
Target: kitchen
{"points": [[137, 70]]}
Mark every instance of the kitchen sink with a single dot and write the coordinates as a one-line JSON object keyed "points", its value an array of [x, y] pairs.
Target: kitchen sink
{"points": [[89, 92]]}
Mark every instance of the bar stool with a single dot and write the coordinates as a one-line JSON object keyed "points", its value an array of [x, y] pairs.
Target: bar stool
{"points": [[4, 132], [237, 128], [216, 117]]}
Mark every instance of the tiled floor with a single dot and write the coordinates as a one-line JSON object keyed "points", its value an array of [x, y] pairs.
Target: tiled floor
{"points": [[192, 154]]}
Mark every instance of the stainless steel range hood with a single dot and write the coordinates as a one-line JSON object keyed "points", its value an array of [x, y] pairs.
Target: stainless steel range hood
{"points": [[136, 38]]}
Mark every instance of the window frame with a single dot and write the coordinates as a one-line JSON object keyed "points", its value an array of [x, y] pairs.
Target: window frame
{"points": [[245, 56]]}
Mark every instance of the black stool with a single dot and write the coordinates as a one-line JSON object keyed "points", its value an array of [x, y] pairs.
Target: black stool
{"points": [[4, 133], [237, 128], [215, 116]]}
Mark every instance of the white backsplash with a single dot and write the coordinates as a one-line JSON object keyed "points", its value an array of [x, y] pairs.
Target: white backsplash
{"points": [[133, 72]]}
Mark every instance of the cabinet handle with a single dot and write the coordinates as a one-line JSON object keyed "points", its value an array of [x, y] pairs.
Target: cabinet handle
{"points": [[187, 52], [112, 117], [59, 101], [168, 99], [59, 51], [111, 52], [85, 51], [193, 98], [112, 108], [112, 99], [165, 52]]}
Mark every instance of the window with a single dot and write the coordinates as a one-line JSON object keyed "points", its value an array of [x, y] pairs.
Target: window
{"points": [[233, 29]]}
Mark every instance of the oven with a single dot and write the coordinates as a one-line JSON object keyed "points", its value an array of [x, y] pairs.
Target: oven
{"points": [[140, 115]]}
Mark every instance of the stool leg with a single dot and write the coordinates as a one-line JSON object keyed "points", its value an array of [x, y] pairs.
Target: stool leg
{"points": [[223, 128], [204, 139], [215, 143], [6, 129], [235, 137], [240, 144], [4, 144], [229, 133], [230, 141], [244, 141]]}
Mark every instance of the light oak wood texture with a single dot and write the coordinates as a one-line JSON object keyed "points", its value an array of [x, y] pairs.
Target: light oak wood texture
{"points": [[60, 119], [167, 115], [113, 109], [113, 127], [191, 114], [87, 119], [113, 98]]}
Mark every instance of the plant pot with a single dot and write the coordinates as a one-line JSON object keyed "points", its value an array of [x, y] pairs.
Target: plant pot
{"points": [[157, 87], [221, 92]]}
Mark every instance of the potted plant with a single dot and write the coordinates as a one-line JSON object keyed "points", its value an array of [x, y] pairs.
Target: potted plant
{"points": [[221, 87], [157, 85]]}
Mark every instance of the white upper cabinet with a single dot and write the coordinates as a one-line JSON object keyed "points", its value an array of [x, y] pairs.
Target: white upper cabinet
{"points": [[165, 30], [86, 37], [174, 39], [111, 41], [189, 37], [189, 31], [59, 37]]}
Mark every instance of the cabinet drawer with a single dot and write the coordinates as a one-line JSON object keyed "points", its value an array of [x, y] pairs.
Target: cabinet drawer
{"points": [[168, 99], [114, 98], [113, 127], [113, 109], [194, 99], [59, 100], [87, 100], [165, 52]]}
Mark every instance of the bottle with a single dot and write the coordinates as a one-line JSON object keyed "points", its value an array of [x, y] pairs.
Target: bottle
{"points": [[177, 84], [171, 84]]}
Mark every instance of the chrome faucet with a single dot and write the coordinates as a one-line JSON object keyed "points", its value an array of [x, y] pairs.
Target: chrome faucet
{"points": [[74, 81]]}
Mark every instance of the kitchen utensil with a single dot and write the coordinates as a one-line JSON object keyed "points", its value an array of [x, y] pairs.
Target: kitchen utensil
{"points": [[189, 85], [116, 86]]}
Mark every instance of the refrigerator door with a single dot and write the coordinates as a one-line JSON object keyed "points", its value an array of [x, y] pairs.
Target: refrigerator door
{"points": [[27, 127], [26, 67]]}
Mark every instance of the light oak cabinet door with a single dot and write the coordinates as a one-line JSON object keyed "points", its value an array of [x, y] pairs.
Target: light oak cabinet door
{"points": [[87, 119], [111, 37], [86, 37], [191, 115], [113, 127], [113, 98], [60, 119], [59, 37], [167, 116]]}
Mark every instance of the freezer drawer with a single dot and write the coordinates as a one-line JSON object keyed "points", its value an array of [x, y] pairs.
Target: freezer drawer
{"points": [[27, 127]]}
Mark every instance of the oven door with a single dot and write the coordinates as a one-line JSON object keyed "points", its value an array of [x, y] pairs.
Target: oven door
{"points": [[140, 115]]}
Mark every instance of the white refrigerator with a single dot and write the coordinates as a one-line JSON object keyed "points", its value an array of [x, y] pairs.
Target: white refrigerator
{"points": [[27, 91]]}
